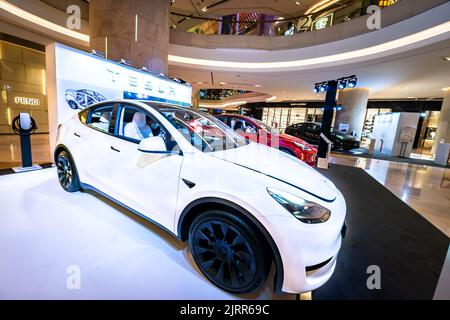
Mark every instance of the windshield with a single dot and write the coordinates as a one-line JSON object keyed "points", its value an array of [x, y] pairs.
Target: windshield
{"points": [[265, 126], [201, 130]]}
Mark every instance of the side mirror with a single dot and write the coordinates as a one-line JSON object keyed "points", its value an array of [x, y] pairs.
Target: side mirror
{"points": [[153, 145]]}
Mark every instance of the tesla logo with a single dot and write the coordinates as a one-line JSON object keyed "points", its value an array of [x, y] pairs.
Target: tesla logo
{"points": [[374, 20], [74, 277], [374, 280], [27, 101], [74, 19]]}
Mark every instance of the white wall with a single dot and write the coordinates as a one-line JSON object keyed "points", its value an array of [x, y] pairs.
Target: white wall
{"points": [[387, 129]]}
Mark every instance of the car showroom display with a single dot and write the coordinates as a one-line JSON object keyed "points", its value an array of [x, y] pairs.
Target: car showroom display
{"points": [[310, 132], [257, 131], [240, 205]]}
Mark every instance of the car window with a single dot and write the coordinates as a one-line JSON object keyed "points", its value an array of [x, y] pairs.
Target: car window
{"points": [[201, 130], [249, 128], [223, 119], [136, 124], [100, 118]]}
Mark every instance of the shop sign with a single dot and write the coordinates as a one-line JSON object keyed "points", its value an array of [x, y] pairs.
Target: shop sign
{"points": [[323, 22], [27, 101]]}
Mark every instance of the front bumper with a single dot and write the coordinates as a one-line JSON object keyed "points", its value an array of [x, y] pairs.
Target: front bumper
{"points": [[308, 252]]}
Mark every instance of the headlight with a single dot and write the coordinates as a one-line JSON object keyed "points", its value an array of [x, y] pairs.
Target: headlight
{"points": [[302, 146], [304, 210]]}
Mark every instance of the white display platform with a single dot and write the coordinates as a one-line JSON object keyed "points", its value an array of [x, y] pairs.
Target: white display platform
{"points": [[44, 230]]}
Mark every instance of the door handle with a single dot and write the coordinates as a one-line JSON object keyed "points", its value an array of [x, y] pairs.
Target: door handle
{"points": [[76, 135], [114, 149]]}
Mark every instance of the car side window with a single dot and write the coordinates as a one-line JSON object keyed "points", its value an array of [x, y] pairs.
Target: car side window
{"points": [[223, 119], [249, 128], [135, 125], [100, 118]]}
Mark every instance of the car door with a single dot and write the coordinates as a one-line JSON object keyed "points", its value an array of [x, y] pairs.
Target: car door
{"points": [[145, 182], [93, 141]]}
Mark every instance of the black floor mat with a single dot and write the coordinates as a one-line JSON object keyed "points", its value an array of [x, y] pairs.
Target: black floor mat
{"points": [[383, 231]]}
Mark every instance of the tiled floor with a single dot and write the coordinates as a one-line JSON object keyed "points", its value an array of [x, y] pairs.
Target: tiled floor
{"points": [[426, 189]]}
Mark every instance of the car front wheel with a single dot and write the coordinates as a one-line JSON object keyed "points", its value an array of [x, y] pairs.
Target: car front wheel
{"points": [[228, 252], [67, 173]]}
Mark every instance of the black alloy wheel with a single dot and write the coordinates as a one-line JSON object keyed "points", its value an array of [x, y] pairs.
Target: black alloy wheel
{"points": [[67, 174], [228, 252]]}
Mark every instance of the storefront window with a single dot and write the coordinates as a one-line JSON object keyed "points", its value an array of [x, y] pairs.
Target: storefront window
{"points": [[22, 89]]}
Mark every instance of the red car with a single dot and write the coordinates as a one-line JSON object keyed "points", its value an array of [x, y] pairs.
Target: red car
{"points": [[257, 131]]}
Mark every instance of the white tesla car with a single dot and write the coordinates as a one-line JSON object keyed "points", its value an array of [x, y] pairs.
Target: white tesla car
{"points": [[241, 205]]}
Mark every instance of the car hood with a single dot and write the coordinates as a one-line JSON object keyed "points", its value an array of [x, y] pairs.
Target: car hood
{"points": [[280, 166], [290, 138]]}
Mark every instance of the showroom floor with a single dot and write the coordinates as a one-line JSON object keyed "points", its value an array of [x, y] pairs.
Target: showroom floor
{"points": [[426, 189], [44, 230]]}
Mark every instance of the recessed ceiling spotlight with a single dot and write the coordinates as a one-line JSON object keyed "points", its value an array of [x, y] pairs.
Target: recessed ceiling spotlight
{"points": [[204, 9], [445, 89], [257, 85], [297, 3], [446, 58], [199, 82], [352, 82], [222, 83]]}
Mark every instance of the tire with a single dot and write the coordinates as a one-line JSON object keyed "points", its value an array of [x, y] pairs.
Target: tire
{"points": [[228, 252], [67, 172]]}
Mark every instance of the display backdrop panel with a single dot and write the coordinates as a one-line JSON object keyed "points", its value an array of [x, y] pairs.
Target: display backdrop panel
{"points": [[76, 79]]}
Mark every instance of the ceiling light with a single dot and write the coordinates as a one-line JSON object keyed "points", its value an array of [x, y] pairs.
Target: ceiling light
{"points": [[411, 97], [445, 89], [257, 85], [446, 58], [320, 6], [204, 9], [199, 82], [222, 83], [352, 82], [339, 57], [342, 84], [271, 98], [297, 3]]}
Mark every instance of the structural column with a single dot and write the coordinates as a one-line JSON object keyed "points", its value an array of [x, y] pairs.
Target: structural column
{"points": [[354, 103], [443, 129], [136, 30]]}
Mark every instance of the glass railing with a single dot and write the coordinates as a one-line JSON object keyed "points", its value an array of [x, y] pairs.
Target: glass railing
{"points": [[268, 25]]}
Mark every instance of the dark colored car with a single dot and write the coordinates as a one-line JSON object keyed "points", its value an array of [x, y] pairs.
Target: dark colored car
{"points": [[310, 132], [257, 131]]}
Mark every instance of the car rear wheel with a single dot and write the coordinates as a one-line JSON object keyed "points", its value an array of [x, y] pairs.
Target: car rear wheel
{"points": [[228, 252], [67, 173]]}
